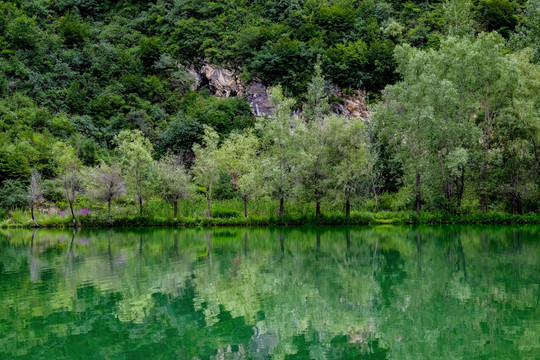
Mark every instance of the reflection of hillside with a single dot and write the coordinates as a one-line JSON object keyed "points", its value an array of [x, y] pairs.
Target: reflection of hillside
{"points": [[325, 292]]}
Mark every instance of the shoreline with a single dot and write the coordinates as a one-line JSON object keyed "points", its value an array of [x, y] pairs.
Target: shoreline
{"points": [[329, 220]]}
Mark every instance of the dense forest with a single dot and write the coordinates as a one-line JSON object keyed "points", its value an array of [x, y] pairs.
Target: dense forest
{"points": [[103, 108]]}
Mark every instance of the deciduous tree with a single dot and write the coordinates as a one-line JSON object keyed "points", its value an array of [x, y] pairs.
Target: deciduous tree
{"points": [[172, 181], [135, 152], [206, 166], [105, 183]]}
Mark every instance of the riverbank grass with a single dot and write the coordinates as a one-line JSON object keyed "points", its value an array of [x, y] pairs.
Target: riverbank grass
{"points": [[102, 219]]}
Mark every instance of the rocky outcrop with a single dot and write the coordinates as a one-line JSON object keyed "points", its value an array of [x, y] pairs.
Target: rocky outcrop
{"points": [[258, 99], [353, 105], [225, 82], [195, 78], [221, 81]]}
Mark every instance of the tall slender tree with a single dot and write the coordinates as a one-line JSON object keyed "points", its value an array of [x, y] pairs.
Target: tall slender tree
{"points": [[313, 165], [350, 159], [69, 170], [206, 166], [135, 152], [239, 157], [172, 181], [105, 183], [35, 193], [281, 147]]}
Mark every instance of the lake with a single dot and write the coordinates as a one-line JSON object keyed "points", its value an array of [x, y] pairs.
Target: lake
{"points": [[385, 292]]}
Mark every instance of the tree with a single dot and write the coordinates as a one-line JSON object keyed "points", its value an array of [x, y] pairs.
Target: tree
{"points": [[407, 119], [206, 166], [172, 181], [519, 177], [314, 163], [180, 135], [136, 157], [316, 107], [13, 195], [351, 161], [69, 169], [497, 15], [105, 183], [35, 193], [458, 17], [280, 147], [239, 157], [453, 118], [528, 34]]}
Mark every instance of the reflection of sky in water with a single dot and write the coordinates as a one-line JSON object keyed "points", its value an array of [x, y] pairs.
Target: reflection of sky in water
{"points": [[364, 292]]}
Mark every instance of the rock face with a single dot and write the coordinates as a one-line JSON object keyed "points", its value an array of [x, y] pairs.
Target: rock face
{"points": [[196, 76], [258, 99], [354, 105], [222, 82]]}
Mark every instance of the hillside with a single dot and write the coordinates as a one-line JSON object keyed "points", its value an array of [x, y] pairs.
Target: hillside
{"points": [[79, 72]]}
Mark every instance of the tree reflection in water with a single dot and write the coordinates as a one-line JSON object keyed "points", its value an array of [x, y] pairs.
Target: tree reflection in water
{"points": [[323, 293]]}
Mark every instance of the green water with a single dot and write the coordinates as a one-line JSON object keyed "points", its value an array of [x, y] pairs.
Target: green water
{"points": [[450, 292]]}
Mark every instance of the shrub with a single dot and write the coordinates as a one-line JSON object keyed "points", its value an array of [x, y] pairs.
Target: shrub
{"points": [[225, 213]]}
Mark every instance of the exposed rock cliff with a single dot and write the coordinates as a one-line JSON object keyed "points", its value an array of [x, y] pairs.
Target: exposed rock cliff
{"points": [[353, 105], [221, 81], [258, 99], [224, 82]]}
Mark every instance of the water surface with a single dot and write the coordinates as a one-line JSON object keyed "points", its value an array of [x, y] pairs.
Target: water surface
{"points": [[449, 292]]}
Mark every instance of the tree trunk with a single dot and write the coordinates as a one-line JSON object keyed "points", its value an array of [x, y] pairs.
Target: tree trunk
{"points": [[418, 198], [318, 208], [281, 206], [348, 207], [72, 214], [245, 207], [33, 218], [140, 206], [208, 200], [175, 204], [461, 187], [483, 201], [376, 197], [109, 206]]}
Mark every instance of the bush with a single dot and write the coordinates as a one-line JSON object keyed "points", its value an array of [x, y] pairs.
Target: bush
{"points": [[225, 213], [13, 195]]}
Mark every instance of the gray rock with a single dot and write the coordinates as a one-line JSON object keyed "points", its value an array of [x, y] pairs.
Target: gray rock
{"points": [[257, 96]]}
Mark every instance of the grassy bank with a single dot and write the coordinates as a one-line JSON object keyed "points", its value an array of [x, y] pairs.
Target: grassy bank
{"points": [[356, 218]]}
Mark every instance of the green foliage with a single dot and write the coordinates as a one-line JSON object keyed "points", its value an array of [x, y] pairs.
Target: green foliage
{"points": [[13, 195], [72, 30], [445, 117], [219, 213], [497, 15], [135, 152], [78, 75], [206, 167]]}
